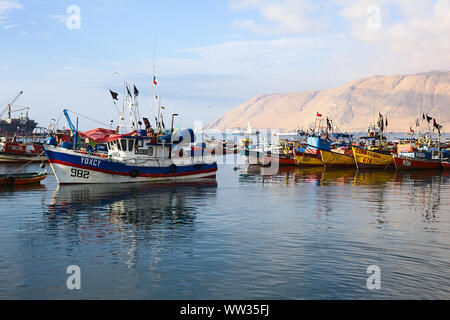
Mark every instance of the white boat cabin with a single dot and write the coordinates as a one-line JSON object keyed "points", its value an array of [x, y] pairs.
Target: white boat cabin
{"points": [[138, 148]]}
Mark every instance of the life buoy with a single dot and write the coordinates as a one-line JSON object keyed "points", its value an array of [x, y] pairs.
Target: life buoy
{"points": [[173, 168], [371, 134], [134, 173]]}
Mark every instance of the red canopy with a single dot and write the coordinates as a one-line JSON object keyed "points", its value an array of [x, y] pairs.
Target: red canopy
{"points": [[101, 135]]}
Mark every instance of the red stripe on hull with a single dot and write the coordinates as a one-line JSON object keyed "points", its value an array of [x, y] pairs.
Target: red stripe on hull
{"points": [[415, 164]]}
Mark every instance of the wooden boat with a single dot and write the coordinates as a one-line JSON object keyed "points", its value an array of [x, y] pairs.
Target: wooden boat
{"points": [[409, 163], [445, 164], [304, 159], [333, 159], [22, 178], [372, 159]]}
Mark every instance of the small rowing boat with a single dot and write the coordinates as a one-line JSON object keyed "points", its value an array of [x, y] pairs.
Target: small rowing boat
{"points": [[22, 178]]}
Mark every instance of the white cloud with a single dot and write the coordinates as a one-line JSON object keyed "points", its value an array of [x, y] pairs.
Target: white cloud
{"points": [[9, 5], [414, 34], [59, 18], [10, 26], [280, 17]]}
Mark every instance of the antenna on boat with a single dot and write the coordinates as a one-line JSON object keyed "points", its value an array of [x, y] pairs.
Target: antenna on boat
{"points": [[154, 97]]}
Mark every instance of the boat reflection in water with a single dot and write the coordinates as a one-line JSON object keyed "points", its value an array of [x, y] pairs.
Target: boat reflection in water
{"points": [[138, 213]]}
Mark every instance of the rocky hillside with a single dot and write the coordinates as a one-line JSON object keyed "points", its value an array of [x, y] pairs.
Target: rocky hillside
{"points": [[402, 98]]}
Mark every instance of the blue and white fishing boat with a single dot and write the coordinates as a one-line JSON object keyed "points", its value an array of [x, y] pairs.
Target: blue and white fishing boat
{"points": [[129, 157]]}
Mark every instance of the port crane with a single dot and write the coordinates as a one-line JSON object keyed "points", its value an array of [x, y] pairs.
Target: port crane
{"points": [[8, 108]]}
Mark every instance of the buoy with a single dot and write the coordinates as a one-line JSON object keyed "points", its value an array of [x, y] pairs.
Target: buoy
{"points": [[173, 168], [42, 165]]}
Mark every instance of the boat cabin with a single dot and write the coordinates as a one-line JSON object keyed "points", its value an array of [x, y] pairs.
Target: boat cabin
{"points": [[138, 147]]}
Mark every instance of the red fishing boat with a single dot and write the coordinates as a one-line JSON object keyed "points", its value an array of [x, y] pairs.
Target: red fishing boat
{"points": [[12, 151], [415, 163]]}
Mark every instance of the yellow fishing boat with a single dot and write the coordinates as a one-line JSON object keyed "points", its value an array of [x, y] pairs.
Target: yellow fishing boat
{"points": [[304, 159], [333, 159], [373, 158]]}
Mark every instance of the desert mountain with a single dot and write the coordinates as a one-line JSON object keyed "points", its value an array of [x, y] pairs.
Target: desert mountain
{"points": [[401, 98]]}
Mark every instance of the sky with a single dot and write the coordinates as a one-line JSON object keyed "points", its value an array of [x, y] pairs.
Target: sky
{"points": [[208, 56]]}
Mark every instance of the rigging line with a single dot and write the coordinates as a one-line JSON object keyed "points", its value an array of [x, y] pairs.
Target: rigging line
{"points": [[86, 117]]}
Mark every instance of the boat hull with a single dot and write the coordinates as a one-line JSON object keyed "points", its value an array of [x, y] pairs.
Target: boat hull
{"points": [[70, 167], [303, 159], [369, 159], [265, 158], [20, 158], [337, 160], [22, 179], [403, 163], [445, 165]]}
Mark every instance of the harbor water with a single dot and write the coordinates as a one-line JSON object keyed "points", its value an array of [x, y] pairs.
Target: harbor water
{"points": [[299, 234]]}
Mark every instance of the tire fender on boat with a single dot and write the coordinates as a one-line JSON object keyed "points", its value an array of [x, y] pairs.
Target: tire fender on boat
{"points": [[173, 168], [134, 173]]}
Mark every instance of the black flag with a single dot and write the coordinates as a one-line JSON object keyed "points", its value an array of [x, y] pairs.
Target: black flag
{"points": [[437, 126], [147, 123], [423, 116], [429, 118], [128, 90], [136, 91], [386, 122], [114, 95]]}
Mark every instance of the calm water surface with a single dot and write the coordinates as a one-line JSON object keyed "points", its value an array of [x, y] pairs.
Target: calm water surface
{"points": [[301, 234]]}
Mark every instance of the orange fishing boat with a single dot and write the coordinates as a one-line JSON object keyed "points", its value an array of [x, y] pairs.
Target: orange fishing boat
{"points": [[22, 178]]}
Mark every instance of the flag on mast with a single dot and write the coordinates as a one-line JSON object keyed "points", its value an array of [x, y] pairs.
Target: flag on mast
{"points": [[154, 81], [128, 91], [136, 91], [114, 95]]}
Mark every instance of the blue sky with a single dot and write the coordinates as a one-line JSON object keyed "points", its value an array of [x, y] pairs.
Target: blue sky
{"points": [[210, 56]]}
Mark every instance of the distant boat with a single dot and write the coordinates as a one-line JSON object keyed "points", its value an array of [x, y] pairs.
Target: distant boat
{"points": [[18, 151], [21, 126]]}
